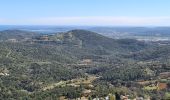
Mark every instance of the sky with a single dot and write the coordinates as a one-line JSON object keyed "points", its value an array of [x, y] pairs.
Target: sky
{"points": [[85, 12]]}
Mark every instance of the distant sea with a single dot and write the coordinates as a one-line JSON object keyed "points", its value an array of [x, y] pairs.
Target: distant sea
{"points": [[44, 29]]}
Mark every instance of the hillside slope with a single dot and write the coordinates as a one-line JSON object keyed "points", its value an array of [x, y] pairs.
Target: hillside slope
{"points": [[91, 40], [16, 34]]}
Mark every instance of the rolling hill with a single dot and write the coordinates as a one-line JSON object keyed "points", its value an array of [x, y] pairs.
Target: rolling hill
{"points": [[16, 34], [26, 67]]}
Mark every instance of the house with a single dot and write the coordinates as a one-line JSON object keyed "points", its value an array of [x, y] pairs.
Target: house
{"points": [[124, 97], [107, 98], [86, 93], [44, 37], [12, 40], [139, 98], [4, 74], [96, 99], [86, 61]]}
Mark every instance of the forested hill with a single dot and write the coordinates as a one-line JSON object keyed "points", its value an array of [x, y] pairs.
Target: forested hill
{"points": [[34, 66], [91, 40], [16, 34], [80, 41]]}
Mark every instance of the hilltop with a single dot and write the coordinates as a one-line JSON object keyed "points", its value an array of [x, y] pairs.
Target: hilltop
{"points": [[91, 40]]}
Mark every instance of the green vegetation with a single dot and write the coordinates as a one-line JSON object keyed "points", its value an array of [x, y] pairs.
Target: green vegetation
{"points": [[78, 64]]}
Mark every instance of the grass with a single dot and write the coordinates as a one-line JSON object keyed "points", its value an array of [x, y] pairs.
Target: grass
{"points": [[146, 82], [73, 82], [150, 88], [42, 63], [167, 95], [163, 80]]}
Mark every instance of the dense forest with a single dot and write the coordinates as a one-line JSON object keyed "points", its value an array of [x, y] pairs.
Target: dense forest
{"points": [[81, 64]]}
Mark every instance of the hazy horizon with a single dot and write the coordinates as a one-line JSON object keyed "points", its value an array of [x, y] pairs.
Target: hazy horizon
{"points": [[85, 13]]}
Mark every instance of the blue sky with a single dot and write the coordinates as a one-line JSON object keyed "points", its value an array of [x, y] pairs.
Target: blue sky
{"points": [[85, 12]]}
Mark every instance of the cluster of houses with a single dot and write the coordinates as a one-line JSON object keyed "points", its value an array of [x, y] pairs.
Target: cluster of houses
{"points": [[112, 97]]}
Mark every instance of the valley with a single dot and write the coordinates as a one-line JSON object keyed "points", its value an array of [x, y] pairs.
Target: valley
{"points": [[81, 64]]}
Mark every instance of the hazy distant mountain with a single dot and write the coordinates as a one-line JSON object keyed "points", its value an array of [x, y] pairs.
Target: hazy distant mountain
{"points": [[113, 32]]}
